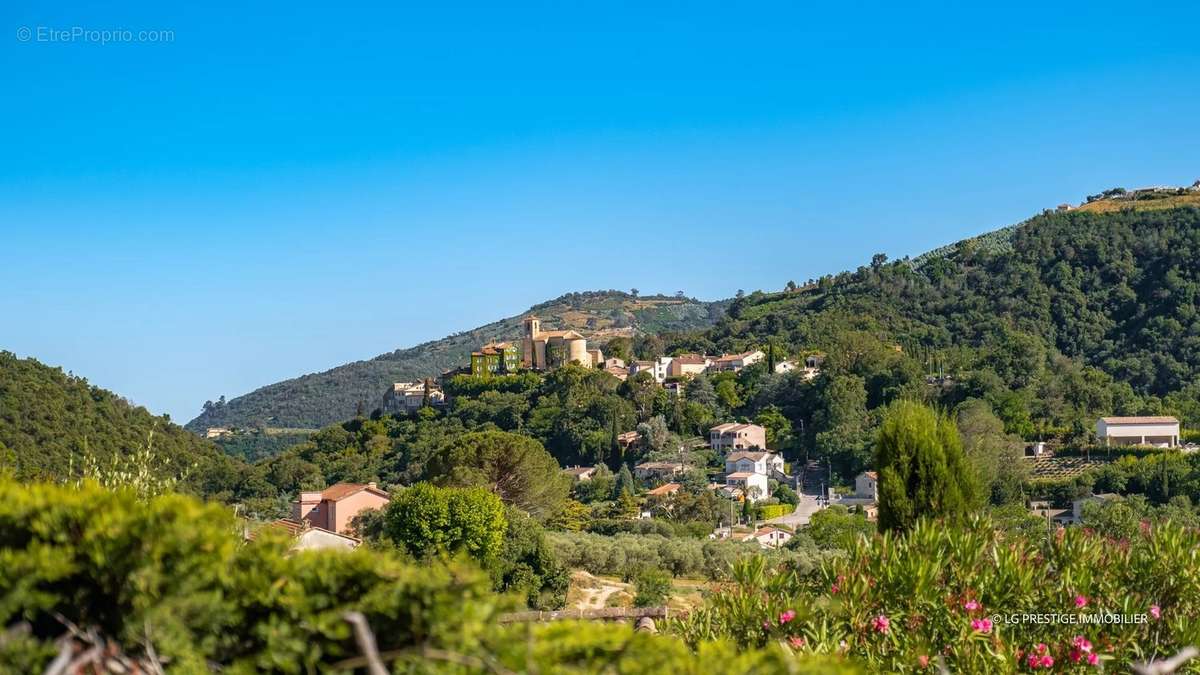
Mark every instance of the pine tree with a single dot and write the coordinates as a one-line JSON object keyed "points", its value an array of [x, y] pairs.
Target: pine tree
{"points": [[770, 357], [923, 471]]}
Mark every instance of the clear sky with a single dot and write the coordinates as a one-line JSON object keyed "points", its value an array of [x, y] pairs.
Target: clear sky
{"points": [[276, 190]]}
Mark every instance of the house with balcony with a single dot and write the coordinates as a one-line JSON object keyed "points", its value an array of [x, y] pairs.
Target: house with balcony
{"points": [[734, 436]]}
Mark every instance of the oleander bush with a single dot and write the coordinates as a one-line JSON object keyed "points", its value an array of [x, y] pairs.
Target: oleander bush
{"points": [[899, 602]]}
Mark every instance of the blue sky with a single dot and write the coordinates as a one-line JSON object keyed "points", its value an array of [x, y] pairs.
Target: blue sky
{"points": [[282, 189]]}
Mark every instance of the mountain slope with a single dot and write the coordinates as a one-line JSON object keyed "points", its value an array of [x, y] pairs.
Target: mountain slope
{"points": [[319, 399], [1114, 284], [48, 419]]}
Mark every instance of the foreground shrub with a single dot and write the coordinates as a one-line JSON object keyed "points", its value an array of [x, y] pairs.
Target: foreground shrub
{"points": [[899, 601], [176, 574]]}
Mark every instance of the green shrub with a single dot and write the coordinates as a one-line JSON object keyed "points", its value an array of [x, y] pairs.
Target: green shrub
{"points": [[177, 574], [653, 589], [174, 572]]}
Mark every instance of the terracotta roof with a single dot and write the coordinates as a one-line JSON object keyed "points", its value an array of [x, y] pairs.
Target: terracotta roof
{"points": [[768, 530], [872, 474], [669, 488], [689, 359], [740, 475], [340, 491], [1140, 420]]}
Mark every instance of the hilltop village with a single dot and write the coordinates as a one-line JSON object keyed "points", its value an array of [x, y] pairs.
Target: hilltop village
{"points": [[768, 497]]}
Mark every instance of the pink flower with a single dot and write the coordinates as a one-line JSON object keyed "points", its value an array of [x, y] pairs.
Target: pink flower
{"points": [[1156, 611], [1080, 601], [833, 589], [766, 625], [970, 605], [880, 624], [1040, 648], [1093, 659], [923, 661], [981, 625], [1076, 655], [1047, 661], [787, 616], [1033, 661], [1082, 644], [796, 642]]}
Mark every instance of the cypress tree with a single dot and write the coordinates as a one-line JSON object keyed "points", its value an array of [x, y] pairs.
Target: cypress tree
{"points": [[923, 471]]}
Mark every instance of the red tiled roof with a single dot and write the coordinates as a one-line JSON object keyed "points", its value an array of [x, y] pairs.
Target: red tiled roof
{"points": [[666, 489], [342, 490]]}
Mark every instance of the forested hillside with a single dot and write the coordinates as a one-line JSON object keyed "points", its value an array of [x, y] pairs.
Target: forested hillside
{"points": [[52, 422], [319, 399], [1114, 289]]}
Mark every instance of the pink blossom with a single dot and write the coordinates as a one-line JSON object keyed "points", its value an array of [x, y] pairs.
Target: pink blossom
{"points": [[833, 589], [766, 625], [1033, 661], [880, 624], [787, 616], [970, 605], [1093, 659], [1082, 644], [1081, 601], [1075, 655], [1040, 648], [1047, 661], [796, 642], [1156, 611], [923, 661], [981, 625]]}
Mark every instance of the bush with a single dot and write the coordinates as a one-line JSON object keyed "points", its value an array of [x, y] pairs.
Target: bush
{"points": [[895, 600], [770, 511], [653, 589], [174, 572]]}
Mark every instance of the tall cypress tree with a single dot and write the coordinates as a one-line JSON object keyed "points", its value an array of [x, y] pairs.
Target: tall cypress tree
{"points": [[923, 471]]}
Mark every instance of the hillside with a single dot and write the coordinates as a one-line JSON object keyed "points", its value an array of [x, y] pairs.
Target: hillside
{"points": [[1113, 284], [49, 419], [319, 399]]}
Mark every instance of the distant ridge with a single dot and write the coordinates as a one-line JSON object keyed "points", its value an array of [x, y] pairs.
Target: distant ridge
{"points": [[318, 399]]}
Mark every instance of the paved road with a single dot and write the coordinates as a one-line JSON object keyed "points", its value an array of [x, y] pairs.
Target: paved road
{"points": [[804, 510]]}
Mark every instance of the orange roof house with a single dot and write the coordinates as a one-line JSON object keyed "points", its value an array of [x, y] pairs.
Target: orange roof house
{"points": [[334, 507]]}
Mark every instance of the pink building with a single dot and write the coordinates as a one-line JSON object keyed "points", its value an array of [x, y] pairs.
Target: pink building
{"points": [[333, 508]]}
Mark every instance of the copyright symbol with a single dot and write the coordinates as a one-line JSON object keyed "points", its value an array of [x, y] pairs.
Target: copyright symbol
{"points": [[997, 618], [24, 34]]}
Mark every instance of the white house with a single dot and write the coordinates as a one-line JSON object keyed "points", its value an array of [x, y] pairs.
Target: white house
{"points": [[866, 486], [753, 485], [753, 462], [658, 368], [1162, 432], [766, 537], [736, 362], [784, 367]]}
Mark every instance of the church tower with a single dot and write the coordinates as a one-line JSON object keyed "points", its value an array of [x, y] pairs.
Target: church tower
{"points": [[533, 328]]}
